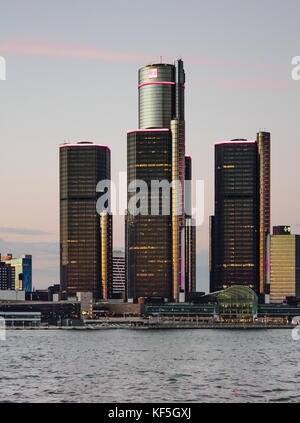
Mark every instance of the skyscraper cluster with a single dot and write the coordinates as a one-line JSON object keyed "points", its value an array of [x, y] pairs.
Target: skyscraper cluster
{"points": [[160, 246], [160, 233]]}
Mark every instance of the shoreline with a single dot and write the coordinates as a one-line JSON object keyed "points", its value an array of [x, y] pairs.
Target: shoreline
{"points": [[159, 327]]}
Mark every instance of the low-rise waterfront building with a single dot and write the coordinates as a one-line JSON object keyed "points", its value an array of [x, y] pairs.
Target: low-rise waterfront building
{"points": [[235, 304], [51, 312], [38, 295], [86, 302], [21, 319], [231, 304], [49, 294]]}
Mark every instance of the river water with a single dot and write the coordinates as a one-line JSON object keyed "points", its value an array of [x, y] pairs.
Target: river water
{"points": [[118, 365]]}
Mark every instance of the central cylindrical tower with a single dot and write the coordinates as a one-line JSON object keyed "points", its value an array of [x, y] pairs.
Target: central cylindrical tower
{"points": [[156, 151], [161, 96]]}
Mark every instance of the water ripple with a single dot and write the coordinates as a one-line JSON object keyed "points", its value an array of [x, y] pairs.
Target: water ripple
{"points": [[130, 366]]}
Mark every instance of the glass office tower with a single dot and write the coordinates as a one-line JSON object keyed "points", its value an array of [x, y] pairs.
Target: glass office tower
{"points": [[240, 229], [235, 241], [149, 238], [85, 236], [156, 151], [284, 264]]}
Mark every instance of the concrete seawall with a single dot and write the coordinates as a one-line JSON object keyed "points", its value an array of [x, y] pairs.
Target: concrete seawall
{"points": [[220, 326]]}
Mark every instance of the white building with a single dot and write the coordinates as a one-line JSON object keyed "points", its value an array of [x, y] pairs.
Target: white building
{"points": [[119, 274]]}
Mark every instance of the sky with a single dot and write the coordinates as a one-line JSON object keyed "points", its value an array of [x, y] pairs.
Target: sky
{"points": [[71, 75]]}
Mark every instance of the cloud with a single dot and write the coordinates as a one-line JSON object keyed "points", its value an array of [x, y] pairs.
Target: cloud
{"points": [[21, 231], [70, 52], [40, 249], [67, 51], [256, 83]]}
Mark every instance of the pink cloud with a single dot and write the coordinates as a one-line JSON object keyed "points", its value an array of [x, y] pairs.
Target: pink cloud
{"points": [[258, 83], [43, 49], [70, 52]]}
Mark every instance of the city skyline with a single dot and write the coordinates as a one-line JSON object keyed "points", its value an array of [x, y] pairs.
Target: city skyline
{"points": [[256, 85]]}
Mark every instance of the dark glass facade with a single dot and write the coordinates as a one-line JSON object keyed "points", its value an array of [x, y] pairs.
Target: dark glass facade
{"points": [[149, 237], [235, 240], [27, 273], [82, 166]]}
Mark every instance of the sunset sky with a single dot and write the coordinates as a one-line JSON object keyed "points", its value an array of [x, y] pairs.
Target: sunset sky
{"points": [[72, 76]]}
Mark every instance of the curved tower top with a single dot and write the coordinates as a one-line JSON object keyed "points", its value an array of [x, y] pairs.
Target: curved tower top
{"points": [[161, 95]]}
